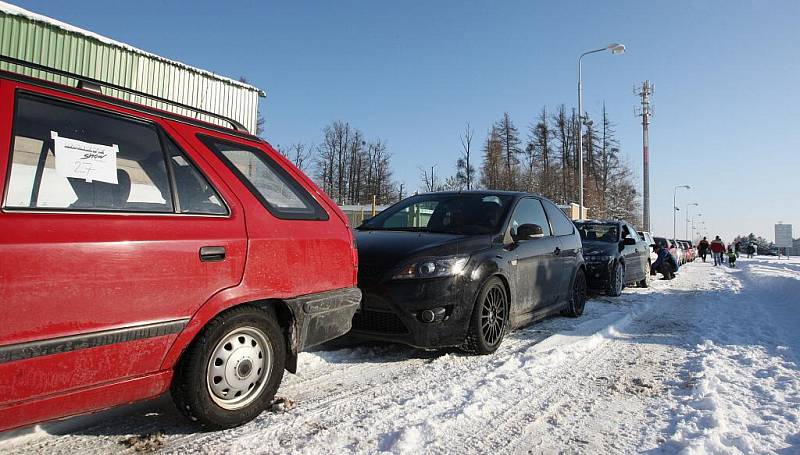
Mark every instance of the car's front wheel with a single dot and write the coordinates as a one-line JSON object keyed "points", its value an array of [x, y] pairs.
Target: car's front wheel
{"points": [[231, 372], [616, 282], [489, 319]]}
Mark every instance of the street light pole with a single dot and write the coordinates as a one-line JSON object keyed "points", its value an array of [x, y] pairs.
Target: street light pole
{"points": [[675, 209], [615, 48], [687, 218]]}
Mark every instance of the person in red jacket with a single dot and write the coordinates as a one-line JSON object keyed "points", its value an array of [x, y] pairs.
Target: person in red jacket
{"points": [[717, 249]]}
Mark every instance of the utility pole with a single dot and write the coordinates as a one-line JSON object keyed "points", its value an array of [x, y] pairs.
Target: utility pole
{"points": [[645, 112]]}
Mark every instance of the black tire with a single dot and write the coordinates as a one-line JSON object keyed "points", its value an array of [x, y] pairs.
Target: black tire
{"points": [[239, 328], [489, 320], [645, 282], [616, 280], [577, 300]]}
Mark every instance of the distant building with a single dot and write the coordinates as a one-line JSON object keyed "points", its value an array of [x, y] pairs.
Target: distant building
{"points": [[795, 249], [38, 39], [783, 238], [573, 211]]}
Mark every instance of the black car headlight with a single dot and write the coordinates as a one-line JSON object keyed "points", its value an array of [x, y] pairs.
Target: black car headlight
{"points": [[433, 268]]}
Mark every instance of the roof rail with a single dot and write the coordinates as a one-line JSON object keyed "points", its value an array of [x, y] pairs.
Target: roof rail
{"points": [[96, 85]]}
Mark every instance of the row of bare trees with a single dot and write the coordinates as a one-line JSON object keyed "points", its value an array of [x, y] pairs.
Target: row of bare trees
{"points": [[352, 169], [347, 166], [546, 162]]}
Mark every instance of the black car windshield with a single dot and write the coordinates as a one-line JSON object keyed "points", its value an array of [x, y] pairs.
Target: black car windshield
{"points": [[603, 232], [459, 213]]}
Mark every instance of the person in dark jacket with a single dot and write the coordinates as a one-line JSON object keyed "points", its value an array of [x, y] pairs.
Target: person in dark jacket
{"points": [[751, 250], [702, 248], [665, 263]]}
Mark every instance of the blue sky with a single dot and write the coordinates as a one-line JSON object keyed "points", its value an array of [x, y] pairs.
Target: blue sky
{"points": [[727, 76]]}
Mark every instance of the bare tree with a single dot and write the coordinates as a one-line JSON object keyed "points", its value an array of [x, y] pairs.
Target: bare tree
{"points": [[299, 154], [430, 182], [510, 145], [491, 172], [465, 171]]}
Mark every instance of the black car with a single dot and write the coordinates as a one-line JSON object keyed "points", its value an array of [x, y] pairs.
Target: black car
{"points": [[462, 268], [615, 255]]}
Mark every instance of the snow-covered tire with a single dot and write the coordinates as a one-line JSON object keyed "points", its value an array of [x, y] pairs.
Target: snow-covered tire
{"points": [[230, 373], [489, 320], [577, 300], [645, 282], [616, 280]]}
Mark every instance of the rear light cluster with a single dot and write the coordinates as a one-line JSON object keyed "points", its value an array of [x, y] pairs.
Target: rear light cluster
{"points": [[354, 249]]}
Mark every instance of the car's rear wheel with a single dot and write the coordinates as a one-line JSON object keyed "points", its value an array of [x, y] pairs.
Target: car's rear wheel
{"points": [[489, 319], [231, 372], [578, 297], [616, 282]]}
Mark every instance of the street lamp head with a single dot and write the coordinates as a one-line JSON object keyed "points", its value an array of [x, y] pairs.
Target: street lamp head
{"points": [[694, 203], [616, 48]]}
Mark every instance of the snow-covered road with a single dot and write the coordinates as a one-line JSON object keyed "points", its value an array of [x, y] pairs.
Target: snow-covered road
{"points": [[707, 363]]}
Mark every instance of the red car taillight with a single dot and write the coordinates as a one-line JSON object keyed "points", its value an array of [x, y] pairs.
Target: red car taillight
{"points": [[354, 249]]}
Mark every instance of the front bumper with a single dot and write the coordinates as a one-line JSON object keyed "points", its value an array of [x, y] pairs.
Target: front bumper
{"points": [[322, 316], [598, 274], [393, 311]]}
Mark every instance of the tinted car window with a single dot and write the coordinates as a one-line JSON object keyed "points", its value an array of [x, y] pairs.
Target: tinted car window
{"points": [[604, 232], [561, 224], [69, 157], [271, 184], [529, 211], [464, 213]]}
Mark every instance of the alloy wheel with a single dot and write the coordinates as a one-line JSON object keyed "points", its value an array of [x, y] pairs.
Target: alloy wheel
{"points": [[493, 315]]}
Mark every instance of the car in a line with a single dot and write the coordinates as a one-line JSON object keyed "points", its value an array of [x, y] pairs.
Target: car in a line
{"points": [[615, 255], [147, 252], [650, 241], [691, 252], [460, 269], [671, 246], [684, 251]]}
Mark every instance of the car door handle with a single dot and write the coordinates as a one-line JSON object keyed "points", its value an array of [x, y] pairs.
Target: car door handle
{"points": [[212, 253], [557, 251]]}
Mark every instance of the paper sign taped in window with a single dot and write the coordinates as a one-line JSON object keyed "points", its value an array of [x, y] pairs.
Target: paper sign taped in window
{"points": [[85, 160]]}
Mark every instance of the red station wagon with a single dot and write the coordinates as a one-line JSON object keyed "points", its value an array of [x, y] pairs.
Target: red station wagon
{"points": [[144, 252]]}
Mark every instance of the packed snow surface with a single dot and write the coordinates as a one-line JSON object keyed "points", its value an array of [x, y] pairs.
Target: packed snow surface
{"points": [[707, 363]]}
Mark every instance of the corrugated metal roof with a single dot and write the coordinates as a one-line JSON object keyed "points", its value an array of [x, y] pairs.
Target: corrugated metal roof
{"points": [[39, 39]]}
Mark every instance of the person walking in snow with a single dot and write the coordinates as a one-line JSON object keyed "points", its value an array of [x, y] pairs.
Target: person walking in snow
{"points": [[737, 248], [702, 248], [751, 250], [717, 250], [665, 263]]}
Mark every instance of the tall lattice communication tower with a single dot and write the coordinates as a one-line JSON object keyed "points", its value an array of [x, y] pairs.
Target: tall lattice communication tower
{"points": [[645, 112]]}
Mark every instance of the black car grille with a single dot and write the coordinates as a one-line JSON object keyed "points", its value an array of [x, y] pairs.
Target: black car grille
{"points": [[379, 322]]}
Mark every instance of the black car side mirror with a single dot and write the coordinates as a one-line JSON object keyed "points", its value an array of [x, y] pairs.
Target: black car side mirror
{"points": [[629, 241], [529, 231]]}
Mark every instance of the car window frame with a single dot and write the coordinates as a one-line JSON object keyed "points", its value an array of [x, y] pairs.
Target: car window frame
{"points": [[507, 232], [164, 136], [161, 133], [319, 212], [552, 227]]}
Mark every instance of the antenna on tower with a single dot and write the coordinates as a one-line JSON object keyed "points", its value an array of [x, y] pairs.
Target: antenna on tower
{"points": [[645, 111]]}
